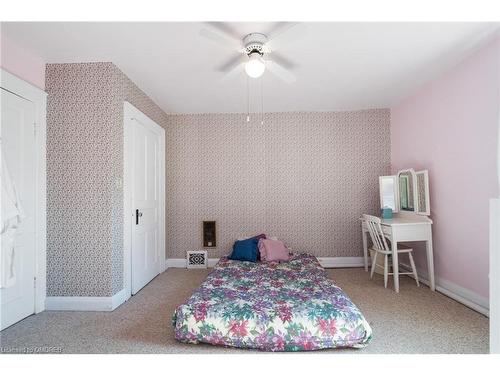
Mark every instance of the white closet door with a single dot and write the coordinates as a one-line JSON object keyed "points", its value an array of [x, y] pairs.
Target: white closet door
{"points": [[17, 299], [146, 262]]}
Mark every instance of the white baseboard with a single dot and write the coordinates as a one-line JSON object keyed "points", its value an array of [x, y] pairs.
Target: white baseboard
{"points": [[176, 263], [455, 291], [119, 298], [327, 262], [341, 262], [212, 262], [86, 303], [181, 262]]}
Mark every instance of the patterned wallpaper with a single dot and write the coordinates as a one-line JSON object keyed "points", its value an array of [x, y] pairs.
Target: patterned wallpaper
{"points": [[303, 177], [84, 172]]}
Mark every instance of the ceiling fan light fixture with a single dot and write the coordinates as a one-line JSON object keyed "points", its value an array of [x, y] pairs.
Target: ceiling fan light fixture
{"points": [[255, 66]]}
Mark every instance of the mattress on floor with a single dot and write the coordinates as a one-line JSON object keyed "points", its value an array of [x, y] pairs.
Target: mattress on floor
{"points": [[288, 306]]}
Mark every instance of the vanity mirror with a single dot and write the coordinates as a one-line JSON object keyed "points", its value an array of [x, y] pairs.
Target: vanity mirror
{"points": [[406, 180], [407, 191], [389, 192]]}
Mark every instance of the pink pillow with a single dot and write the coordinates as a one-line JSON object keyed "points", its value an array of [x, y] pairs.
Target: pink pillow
{"points": [[273, 250], [262, 249]]}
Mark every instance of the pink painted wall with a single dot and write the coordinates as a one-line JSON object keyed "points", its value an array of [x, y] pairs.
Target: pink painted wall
{"points": [[22, 63], [450, 127]]}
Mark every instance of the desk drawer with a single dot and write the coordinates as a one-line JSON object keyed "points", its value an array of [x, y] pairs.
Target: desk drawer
{"points": [[387, 229]]}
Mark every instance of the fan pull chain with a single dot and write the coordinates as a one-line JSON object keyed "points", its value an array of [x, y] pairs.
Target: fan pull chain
{"points": [[248, 100]]}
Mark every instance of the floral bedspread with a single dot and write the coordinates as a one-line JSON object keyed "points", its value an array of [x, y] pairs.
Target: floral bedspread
{"points": [[289, 306]]}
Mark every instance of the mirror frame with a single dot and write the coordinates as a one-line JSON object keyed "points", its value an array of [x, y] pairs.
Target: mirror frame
{"points": [[411, 171], [396, 191], [425, 188]]}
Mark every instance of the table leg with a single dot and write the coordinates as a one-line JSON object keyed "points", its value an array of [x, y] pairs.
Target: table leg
{"points": [[395, 263], [430, 264], [365, 248]]}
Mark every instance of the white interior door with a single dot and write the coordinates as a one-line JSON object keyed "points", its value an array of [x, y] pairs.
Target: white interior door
{"points": [[17, 298], [147, 252]]}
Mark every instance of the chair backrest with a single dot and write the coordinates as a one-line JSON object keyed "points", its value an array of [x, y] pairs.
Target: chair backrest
{"points": [[376, 233]]}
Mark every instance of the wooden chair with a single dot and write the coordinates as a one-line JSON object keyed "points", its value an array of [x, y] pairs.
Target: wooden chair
{"points": [[380, 246]]}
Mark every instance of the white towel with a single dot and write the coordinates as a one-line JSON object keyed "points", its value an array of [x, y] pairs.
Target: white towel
{"points": [[12, 214]]}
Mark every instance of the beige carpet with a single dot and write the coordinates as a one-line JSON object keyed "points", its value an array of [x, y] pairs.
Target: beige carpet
{"points": [[414, 321]]}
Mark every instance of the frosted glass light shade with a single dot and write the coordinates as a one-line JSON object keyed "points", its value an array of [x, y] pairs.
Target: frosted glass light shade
{"points": [[255, 66]]}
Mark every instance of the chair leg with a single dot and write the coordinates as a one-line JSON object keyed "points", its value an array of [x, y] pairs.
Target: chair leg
{"points": [[386, 270], [414, 269], [374, 262]]}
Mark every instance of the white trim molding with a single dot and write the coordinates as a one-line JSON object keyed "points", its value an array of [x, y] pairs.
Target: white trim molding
{"points": [[327, 262], [177, 262], [212, 262], [182, 263], [87, 303], [341, 262], [460, 294], [38, 97], [495, 275]]}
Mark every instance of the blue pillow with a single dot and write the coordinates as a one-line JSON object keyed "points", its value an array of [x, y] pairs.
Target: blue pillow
{"points": [[245, 250]]}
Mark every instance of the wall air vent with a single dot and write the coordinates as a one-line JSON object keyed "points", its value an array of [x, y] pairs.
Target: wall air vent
{"points": [[197, 259]]}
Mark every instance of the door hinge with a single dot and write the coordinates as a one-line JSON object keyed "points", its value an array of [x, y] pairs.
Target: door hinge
{"points": [[34, 282], [34, 129]]}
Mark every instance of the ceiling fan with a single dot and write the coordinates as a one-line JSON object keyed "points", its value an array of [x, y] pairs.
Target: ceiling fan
{"points": [[256, 51]]}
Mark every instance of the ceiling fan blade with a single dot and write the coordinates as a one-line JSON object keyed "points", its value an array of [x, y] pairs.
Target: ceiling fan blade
{"points": [[227, 30], [286, 32], [280, 72], [278, 28], [237, 68], [282, 60], [232, 63], [221, 40]]}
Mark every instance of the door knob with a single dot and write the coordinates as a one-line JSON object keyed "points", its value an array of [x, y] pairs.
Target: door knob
{"points": [[138, 214]]}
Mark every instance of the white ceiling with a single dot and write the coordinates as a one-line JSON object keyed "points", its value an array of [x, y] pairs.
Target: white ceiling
{"points": [[339, 66]]}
